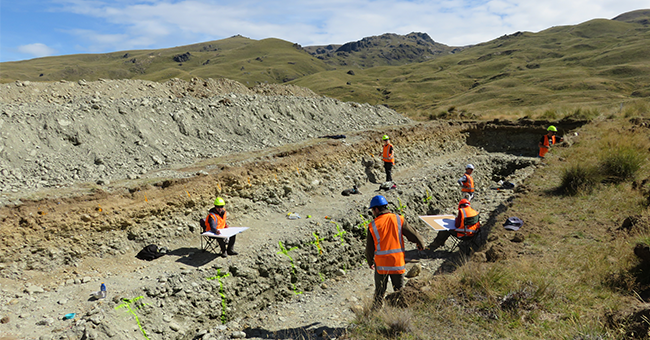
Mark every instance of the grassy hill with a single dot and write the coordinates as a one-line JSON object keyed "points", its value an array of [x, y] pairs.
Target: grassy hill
{"points": [[596, 62], [245, 60], [551, 74]]}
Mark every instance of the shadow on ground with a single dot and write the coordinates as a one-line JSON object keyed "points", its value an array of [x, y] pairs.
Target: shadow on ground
{"points": [[194, 257], [312, 331]]}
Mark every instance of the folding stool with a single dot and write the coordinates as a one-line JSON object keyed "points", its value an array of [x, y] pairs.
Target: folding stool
{"points": [[209, 243]]}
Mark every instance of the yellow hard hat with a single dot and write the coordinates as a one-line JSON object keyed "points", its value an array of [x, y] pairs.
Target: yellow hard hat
{"points": [[385, 137], [552, 128], [219, 202]]}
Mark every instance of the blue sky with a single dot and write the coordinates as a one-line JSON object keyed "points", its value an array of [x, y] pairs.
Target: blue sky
{"points": [[33, 28]]}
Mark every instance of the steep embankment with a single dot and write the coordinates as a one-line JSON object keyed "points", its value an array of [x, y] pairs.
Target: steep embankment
{"points": [[56, 134]]}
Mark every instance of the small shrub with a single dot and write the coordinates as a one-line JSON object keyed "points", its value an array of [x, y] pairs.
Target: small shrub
{"points": [[579, 178], [621, 164]]}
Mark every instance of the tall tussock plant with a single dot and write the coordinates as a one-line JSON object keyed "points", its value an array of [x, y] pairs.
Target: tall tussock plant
{"points": [[579, 179], [621, 164]]}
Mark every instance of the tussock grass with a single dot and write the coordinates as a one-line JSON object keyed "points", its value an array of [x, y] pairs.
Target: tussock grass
{"points": [[579, 179], [396, 321], [638, 108], [621, 163]]}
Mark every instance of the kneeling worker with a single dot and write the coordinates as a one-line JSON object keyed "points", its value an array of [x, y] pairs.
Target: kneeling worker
{"points": [[467, 224], [385, 247], [217, 220]]}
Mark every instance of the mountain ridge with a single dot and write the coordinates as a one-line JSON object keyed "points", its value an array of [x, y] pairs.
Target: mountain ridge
{"points": [[598, 62]]}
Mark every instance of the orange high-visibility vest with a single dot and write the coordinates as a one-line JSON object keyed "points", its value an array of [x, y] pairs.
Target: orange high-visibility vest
{"points": [[468, 185], [388, 155], [386, 231], [221, 222], [546, 145], [469, 222]]}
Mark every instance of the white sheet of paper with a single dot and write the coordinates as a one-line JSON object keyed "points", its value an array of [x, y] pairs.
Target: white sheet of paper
{"points": [[225, 232], [440, 222]]}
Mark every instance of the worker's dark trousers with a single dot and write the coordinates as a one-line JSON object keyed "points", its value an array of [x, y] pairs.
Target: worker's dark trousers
{"points": [[389, 168], [440, 239], [381, 283], [231, 243]]}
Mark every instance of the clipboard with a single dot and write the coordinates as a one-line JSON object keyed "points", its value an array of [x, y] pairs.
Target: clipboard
{"points": [[225, 232], [440, 222]]}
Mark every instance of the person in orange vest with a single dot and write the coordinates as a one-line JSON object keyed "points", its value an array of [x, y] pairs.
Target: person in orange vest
{"points": [[388, 156], [467, 182], [467, 224], [215, 221], [385, 247], [548, 140]]}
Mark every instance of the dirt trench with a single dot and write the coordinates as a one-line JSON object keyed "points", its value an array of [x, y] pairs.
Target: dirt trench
{"points": [[63, 245]]}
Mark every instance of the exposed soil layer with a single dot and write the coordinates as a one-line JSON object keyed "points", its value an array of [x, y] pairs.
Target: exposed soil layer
{"points": [[291, 277]]}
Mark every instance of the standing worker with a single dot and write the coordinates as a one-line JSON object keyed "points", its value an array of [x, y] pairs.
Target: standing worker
{"points": [[216, 220], [467, 224], [385, 247], [388, 157], [547, 141], [467, 182]]}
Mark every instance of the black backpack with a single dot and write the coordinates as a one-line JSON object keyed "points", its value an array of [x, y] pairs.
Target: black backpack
{"points": [[149, 253]]}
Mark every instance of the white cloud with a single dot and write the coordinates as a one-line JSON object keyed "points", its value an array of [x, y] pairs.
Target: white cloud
{"points": [[36, 50], [161, 23]]}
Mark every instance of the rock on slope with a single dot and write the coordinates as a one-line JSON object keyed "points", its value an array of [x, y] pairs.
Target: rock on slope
{"points": [[55, 134]]}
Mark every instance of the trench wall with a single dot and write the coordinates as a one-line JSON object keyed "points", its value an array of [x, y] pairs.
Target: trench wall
{"points": [[432, 157]]}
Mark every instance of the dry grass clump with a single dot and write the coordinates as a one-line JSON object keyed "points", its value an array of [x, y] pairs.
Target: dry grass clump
{"points": [[617, 158], [621, 164], [396, 321], [639, 108], [579, 179]]}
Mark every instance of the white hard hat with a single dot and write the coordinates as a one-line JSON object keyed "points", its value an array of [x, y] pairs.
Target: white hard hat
{"points": [[469, 166]]}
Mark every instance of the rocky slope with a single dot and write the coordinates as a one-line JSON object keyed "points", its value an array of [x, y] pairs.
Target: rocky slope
{"points": [[56, 134]]}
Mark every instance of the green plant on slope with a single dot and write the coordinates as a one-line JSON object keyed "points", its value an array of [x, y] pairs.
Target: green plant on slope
{"points": [[127, 304], [286, 251], [218, 277]]}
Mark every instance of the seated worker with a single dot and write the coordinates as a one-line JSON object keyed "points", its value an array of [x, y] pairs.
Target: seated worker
{"points": [[216, 220], [467, 182], [467, 224], [548, 140]]}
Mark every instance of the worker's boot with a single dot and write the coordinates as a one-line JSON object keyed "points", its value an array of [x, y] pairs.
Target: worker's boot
{"points": [[231, 246], [436, 244]]}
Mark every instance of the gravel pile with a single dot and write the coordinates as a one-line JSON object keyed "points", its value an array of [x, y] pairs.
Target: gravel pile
{"points": [[56, 134]]}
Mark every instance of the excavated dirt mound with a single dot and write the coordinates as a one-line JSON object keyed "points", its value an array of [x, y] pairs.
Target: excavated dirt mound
{"points": [[292, 277], [58, 134]]}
